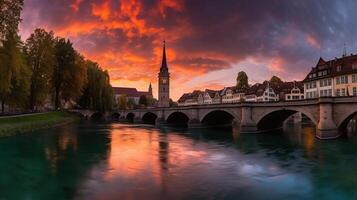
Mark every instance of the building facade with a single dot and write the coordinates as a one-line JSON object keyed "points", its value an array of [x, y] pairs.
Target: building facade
{"points": [[337, 77], [131, 94]]}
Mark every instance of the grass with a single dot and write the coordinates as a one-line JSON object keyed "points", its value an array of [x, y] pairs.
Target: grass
{"points": [[14, 125]]}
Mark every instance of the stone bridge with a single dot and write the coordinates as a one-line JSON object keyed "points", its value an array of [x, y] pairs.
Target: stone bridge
{"points": [[330, 115]]}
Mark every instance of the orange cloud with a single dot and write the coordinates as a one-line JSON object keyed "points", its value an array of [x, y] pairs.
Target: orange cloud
{"points": [[101, 10], [312, 41], [75, 5]]}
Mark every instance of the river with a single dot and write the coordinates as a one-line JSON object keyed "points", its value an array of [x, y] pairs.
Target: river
{"points": [[121, 161]]}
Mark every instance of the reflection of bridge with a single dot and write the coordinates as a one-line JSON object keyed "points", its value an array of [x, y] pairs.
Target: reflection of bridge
{"points": [[330, 115]]}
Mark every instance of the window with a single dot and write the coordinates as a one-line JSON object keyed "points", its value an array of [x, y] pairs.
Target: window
{"points": [[321, 93], [329, 92], [343, 92], [321, 83], [354, 91], [338, 68], [329, 81], [338, 92], [338, 80], [354, 78], [354, 66]]}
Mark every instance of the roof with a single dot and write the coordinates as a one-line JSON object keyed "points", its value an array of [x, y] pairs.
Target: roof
{"points": [[192, 95], [130, 92], [330, 68]]}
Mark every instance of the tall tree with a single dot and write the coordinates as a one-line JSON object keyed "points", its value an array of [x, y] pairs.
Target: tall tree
{"points": [[10, 16], [69, 74], [97, 93], [275, 80], [40, 54], [14, 74], [242, 80]]}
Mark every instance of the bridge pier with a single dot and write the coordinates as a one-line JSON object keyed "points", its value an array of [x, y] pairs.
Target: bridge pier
{"points": [[247, 125], [138, 120], [194, 123], [326, 128], [160, 121]]}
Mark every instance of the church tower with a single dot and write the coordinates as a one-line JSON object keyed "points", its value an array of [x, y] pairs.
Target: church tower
{"points": [[164, 82], [150, 90]]}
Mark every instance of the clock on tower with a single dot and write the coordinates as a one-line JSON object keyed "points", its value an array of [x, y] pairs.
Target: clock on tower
{"points": [[164, 82]]}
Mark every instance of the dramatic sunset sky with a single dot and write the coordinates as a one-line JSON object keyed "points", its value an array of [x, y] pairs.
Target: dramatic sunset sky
{"points": [[208, 42]]}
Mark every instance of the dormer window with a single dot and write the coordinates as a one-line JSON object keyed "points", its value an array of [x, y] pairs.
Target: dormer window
{"points": [[338, 69]]}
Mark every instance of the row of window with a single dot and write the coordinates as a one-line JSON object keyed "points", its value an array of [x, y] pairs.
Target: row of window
{"points": [[325, 82], [326, 93]]}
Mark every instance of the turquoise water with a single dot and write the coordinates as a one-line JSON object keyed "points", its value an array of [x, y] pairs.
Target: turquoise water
{"points": [[117, 161]]}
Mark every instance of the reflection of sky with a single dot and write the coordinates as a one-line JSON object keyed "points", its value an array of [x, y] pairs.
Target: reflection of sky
{"points": [[144, 163]]}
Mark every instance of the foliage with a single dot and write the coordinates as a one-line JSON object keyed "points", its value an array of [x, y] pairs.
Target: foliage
{"points": [[275, 80], [97, 93], [173, 103], [69, 73], [14, 73], [143, 100], [40, 54], [122, 102], [242, 80], [10, 16]]}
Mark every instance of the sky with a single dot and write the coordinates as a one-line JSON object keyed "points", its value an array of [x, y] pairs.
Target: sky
{"points": [[208, 41]]}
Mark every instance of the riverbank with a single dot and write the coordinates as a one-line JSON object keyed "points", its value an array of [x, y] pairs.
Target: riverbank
{"points": [[13, 125]]}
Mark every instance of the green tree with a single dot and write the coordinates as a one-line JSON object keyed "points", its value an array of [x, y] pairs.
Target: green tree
{"points": [[131, 103], [10, 16], [40, 54], [122, 102], [14, 74], [143, 100], [97, 93], [173, 103], [242, 80], [275, 80], [69, 74]]}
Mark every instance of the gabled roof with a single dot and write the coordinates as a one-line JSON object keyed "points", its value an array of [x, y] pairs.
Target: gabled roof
{"points": [[330, 67]]}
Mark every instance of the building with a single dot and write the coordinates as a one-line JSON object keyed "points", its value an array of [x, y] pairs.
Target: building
{"points": [[209, 97], [131, 94], [261, 92], [337, 77], [194, 98], [290, 91], [233, 94], [164, 82]]}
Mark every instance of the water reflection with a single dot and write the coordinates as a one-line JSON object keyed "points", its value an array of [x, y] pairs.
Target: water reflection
{"points": [[116, 161]]}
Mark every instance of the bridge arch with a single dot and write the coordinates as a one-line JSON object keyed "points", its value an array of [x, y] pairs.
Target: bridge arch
{"points": [[149, 118], [96, 116], [130, 117], [116, 116], [345, 119], [218, 118], [275, 118], [177, 118]]}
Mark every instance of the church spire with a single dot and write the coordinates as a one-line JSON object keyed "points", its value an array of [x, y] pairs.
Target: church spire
{"points": [[164, 63]]}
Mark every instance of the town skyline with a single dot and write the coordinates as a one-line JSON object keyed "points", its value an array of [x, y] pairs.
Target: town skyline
{"points": [[126, 38]]}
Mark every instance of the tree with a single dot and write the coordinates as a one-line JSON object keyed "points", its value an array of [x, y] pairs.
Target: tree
{"points": [[275, 80], [143, 100], [131, 103], [10, 16], [40, 54], [172, 103], [14, 74], [122, 102], [69, 74], [242, 80], [97, 93]]}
